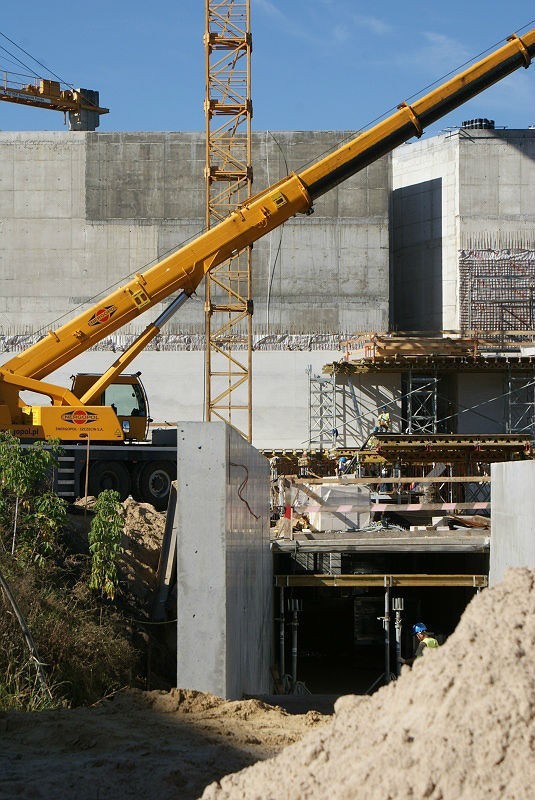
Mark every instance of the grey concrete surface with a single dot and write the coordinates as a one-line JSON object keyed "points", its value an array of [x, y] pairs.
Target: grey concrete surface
{"points": [[224, 564], [461, 190], [81, 211], [512, 541]]}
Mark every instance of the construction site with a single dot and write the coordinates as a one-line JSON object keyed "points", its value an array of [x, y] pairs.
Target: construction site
{"points": [[339, 423]]}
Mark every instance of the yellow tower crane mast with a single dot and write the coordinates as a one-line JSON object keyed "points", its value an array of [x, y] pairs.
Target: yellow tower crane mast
{"points": [[229, 178]]}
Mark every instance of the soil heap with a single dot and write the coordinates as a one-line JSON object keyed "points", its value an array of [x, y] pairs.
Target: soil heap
{"points": [[139, 745], [459, 725], [142, 544]]}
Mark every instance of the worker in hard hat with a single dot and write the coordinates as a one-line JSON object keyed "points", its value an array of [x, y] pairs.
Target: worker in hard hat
{"points": [[341, 466], [425, 640], [383, 421]]}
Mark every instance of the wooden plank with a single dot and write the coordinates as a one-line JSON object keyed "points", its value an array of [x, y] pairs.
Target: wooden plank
{"points": [[167, 561], [373, 507], [342, 481]]}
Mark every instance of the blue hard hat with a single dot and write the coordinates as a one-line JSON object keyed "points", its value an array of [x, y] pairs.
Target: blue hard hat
{"points": [[343, 459], [419, 627]]}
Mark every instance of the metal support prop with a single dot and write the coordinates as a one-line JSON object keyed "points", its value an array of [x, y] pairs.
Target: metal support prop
{"points": [[386, 625], [386, 675], [295, 624], [397, 605], [294, 607], [282, 641]]}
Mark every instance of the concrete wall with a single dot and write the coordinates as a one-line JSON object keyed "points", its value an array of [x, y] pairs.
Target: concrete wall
{"points": [[496, 200], [424, 217], [175, 380], [479, 412], [224, 564], [513, 518], [462, 190], [359, 398], [81, 211]]}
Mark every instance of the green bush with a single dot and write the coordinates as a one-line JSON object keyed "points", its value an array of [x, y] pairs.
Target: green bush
{"points": [[83, 644], [31, 515], [85, 647], [105, 542]]}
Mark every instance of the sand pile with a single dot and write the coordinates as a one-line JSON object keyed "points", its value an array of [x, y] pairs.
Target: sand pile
{"points": [[141, 540], [139, 745], [460, 724], [142, 544]]}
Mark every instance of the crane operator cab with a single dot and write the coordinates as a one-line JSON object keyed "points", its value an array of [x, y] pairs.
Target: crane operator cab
{"points": [[128, 398]]}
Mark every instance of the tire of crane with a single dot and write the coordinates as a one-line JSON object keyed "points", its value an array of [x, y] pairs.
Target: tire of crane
{"points": [[110, 475], [155, 483]]}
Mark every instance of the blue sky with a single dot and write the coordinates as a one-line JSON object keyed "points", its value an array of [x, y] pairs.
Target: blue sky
{"points": [[317, 64]]}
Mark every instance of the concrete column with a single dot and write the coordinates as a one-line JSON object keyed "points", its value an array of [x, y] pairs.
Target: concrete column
{"points": [[224, 565], [512, 542]]}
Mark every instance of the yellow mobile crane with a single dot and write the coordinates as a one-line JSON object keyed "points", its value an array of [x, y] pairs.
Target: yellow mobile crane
{"points": [[81, 413]]}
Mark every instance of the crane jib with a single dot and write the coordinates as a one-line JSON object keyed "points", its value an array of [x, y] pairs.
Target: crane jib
{"points": [[420, 119]]}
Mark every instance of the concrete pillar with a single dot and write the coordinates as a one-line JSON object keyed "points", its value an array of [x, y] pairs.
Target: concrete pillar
{"points": [[512, 542], [224, 564]]}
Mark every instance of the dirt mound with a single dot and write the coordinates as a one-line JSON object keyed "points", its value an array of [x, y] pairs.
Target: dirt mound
{"points": [[139, 745], [141, 540], [142, 544], [459, 725]]}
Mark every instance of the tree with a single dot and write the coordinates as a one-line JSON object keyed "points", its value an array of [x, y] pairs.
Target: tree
{"points": [[28, 507], [105, 542]]}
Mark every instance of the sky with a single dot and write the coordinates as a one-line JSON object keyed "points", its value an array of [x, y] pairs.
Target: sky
{"points": [[317, 64]]}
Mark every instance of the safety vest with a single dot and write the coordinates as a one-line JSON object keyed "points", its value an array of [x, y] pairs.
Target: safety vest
{"points": [[430, 642]]}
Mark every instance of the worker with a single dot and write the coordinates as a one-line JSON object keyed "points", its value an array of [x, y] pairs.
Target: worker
{"points": [[425, 640], [274, 467], [383, 421], [303, 464], [341, 466]]}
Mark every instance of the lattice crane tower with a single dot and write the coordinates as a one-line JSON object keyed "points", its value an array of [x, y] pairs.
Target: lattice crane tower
{"points": [[228, 173]]}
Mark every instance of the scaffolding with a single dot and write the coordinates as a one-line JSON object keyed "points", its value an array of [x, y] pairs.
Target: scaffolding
{"points": [[428, 370], [520, 389], [421, 403], [228, 176], [321, 411]]}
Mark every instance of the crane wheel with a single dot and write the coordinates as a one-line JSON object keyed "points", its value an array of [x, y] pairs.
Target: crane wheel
{"points": [[109, 475], [155, 483]]}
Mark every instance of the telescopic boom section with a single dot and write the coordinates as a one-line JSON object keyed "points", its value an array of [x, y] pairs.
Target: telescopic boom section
{"points": [[410, 120], [185, 269]]}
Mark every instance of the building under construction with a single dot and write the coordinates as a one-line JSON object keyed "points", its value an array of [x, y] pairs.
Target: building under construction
{"points": [[411, 288]]}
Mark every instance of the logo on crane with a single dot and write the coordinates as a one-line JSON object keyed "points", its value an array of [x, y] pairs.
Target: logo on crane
{"points": [[102, 315], [79, 417]]}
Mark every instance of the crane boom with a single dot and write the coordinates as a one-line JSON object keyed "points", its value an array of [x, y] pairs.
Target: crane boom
{"points": [[82, 105], [184, 270]]}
